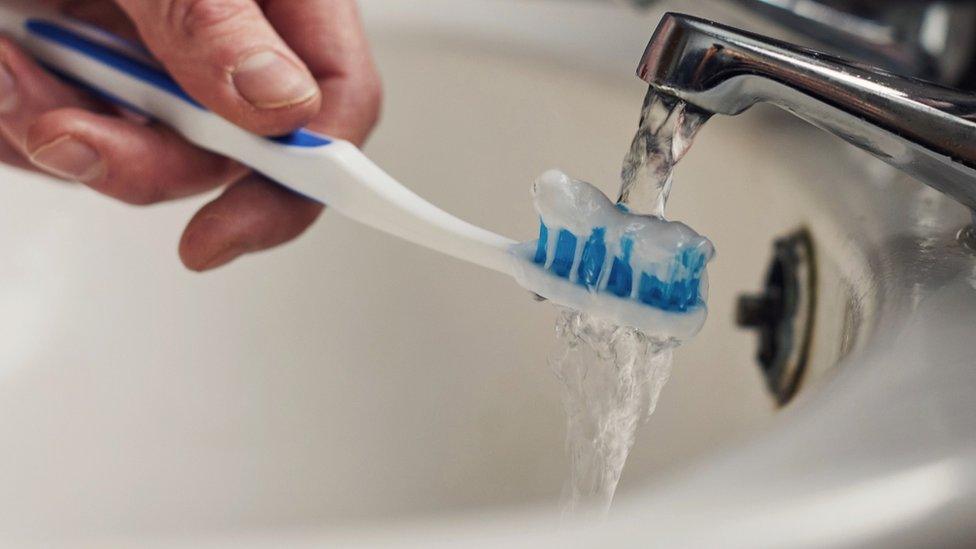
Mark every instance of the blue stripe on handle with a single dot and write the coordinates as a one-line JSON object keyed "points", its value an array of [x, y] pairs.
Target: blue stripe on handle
{"points": [[112, 58], [302, 138], [94, 91], [146, 73]]}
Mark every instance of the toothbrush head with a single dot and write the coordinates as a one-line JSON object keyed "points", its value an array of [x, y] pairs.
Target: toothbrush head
{"points": [[594, 256]]}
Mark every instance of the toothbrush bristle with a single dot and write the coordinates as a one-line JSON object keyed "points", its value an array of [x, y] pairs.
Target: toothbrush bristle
{"points": [[565, 255], [540, 249], [674, 286], [593, 258], [621, 274]]}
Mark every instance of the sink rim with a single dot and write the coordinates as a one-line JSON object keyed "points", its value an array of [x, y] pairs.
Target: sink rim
{"points": [[667, 501]]}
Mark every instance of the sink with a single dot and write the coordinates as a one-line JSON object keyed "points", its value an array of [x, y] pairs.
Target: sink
{"points": [[307, 397]]}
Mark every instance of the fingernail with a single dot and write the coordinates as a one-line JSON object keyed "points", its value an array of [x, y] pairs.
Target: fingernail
{"points": [[8, 90], [268, 80], [70, 158]]}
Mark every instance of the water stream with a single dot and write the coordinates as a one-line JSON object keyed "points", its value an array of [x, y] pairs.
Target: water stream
{"points": [[666, 131], [612, 376]]}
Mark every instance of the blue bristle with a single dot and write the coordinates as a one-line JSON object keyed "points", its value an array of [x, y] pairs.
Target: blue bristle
{"points": [[651, 290], [678, 298], [694, 260], [621, 277], [540, 249], [678, 295], [693, 286], [562, 264], [593, 258], [668, 296]]}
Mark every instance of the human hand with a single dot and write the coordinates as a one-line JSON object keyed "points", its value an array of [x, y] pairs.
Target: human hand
{"points": [[269, 66]]}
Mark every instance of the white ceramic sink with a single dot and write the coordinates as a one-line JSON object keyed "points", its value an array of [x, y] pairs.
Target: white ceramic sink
{"points": [[351, 388]]}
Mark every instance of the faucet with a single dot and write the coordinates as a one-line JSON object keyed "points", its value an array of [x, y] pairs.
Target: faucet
{"points": [[929, 39], [924, 129]]}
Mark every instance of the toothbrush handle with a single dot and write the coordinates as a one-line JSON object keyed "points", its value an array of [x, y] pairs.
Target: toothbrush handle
{"points": [[328, 170]]}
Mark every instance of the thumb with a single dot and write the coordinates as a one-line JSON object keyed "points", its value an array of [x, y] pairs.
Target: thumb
{"points": [[228, 56]]}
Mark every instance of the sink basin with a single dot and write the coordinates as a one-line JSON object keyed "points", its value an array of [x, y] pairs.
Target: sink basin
{"points": [[306, 397]]}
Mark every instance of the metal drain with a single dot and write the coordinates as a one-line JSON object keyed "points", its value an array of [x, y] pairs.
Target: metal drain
{"points": [[783, 314]]}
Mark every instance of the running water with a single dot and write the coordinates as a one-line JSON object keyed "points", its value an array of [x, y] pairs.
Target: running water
{"points": [[667, 128], [612, 376]]}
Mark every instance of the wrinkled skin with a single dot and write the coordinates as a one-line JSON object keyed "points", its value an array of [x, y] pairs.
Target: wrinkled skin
{"points": [[269, 66]]}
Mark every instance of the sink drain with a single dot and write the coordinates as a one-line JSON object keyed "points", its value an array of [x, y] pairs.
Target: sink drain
{"points": [[967, 236], [783, 314]]}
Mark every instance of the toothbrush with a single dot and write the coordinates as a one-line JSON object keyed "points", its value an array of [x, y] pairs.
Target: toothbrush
{"points": [[330, 171]]}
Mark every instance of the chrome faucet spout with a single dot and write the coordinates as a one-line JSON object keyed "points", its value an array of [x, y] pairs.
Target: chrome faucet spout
{"points": [[923, 129]]}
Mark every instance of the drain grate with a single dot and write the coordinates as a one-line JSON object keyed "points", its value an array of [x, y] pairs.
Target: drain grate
{"points": [[783, 314]]}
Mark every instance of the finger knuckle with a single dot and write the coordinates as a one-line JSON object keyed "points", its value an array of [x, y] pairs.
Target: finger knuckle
{"points": [[194, 18]]}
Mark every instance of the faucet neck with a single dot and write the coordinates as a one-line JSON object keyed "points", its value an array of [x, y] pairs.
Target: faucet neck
{"points": [[920, 128], [934, 40]]}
